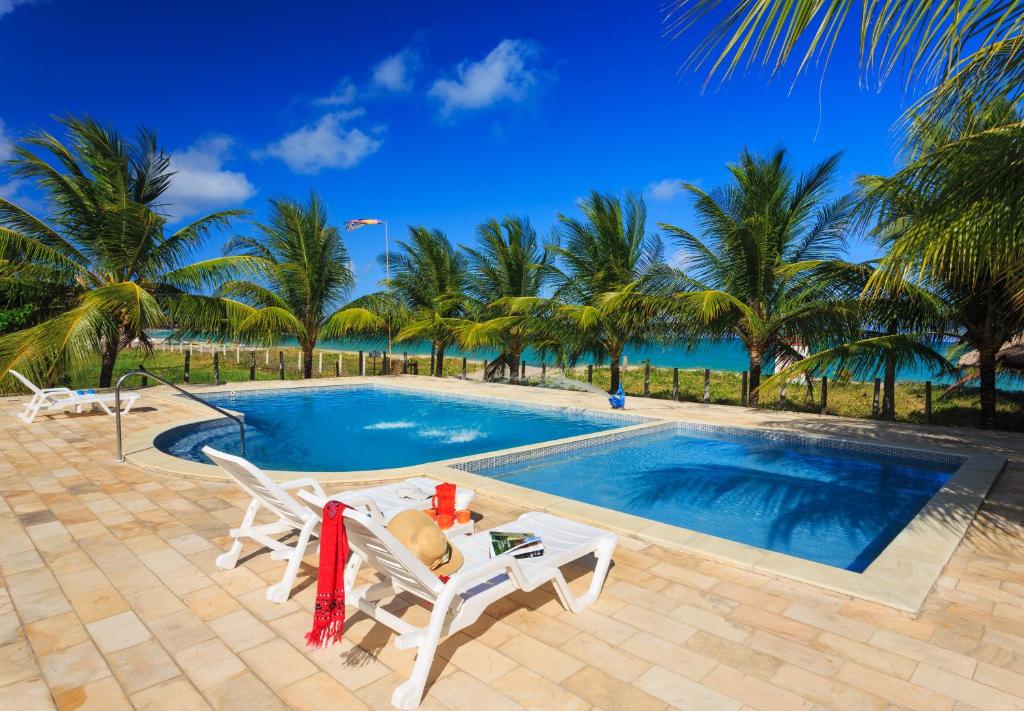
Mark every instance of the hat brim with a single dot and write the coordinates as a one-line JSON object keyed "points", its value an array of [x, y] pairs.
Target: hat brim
{"points": [[453, 565]]}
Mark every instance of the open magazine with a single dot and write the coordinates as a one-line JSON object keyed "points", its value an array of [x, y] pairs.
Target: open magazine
{"points": [[520, 545]]}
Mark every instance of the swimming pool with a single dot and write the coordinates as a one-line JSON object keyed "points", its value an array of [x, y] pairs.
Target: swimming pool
{"points": [[365, 427], [832, 505]]}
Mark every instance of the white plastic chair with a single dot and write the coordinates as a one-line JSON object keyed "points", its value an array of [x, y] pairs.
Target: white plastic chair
{"points": [[481, 581], [293, 515], [50, 399]]}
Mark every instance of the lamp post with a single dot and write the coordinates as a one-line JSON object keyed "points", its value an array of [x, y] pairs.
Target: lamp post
{"points": [[355, 225]]}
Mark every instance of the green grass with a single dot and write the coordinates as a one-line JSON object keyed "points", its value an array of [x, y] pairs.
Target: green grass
{"points": [[171, 366], [848, 399]]}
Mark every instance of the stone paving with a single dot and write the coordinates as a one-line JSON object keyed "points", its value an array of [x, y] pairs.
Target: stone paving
{"points": [[110, 599]]}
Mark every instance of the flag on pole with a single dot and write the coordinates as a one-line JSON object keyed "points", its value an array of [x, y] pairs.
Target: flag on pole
{"points": [[356, 224]]}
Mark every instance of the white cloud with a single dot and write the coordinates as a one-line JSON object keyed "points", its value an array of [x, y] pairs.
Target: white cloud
{"points": [[325, 144], [7, 6], [506, 73], [394, 73], [664, 190], [200, 181], [343, 95], [6, 144]]}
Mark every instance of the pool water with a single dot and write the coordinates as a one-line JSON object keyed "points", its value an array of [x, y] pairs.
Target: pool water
{"points": [[368, 427], [833, 506]]}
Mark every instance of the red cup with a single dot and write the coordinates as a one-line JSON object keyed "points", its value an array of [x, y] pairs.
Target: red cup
{"points": [[444, 499], [463, 515], [445, 521]]}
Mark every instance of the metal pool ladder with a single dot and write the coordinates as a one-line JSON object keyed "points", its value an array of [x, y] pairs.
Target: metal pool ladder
{"points": [[146, 374]]}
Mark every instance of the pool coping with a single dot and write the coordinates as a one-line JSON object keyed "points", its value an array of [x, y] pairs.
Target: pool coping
{"points": [[901, 576]]}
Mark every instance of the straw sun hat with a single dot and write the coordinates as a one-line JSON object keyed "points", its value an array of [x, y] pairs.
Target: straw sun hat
{"points": [[420, 534]]}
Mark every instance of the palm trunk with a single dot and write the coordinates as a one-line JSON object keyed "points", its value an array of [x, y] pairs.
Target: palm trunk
{"points": [[755, 376], [987, 376], [307, 360], [889, 392], [613, 386], [439, 362], [107, 361]]}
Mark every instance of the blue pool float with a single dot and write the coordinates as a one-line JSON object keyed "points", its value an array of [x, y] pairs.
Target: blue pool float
{"points": [[618, 400]]}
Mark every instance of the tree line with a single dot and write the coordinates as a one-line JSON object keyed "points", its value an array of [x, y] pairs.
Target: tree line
{"points": [[766, 264]]}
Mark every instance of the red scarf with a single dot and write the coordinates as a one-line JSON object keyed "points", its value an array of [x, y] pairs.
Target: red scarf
{"points": [[329, 615]]}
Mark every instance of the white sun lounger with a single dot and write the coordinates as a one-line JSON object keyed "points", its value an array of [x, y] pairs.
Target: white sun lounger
{"points": [[481, 581], [381, 502], [59, 399]]}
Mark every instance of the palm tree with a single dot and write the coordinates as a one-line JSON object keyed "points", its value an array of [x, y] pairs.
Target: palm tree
{"points": [[303, 273], [103, 250], [952, 218], [509, 263], [760, 273], [956, 48], [605, 253], [429, 276]]}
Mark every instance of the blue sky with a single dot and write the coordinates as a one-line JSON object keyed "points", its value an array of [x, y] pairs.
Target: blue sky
{"points": [[442, 114]]}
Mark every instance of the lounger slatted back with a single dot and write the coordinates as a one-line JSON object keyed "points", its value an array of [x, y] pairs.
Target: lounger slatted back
{"points": [[291, 515], [481, 581]]}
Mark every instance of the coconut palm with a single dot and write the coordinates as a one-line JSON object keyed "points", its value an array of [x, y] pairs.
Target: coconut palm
{"points": [[607, 252], [952, 219], [509, 263], [303, 274], [103, 251], [429, 277], [957, 48], [761, 271]]}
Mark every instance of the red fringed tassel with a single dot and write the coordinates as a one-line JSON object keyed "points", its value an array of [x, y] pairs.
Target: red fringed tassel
{"points": [[329, 616]]}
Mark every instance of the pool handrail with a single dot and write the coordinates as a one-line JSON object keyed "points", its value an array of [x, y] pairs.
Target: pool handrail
{"points": [[147, 374]]}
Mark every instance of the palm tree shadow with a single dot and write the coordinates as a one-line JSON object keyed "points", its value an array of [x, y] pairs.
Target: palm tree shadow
{"points": [[871, 505]]}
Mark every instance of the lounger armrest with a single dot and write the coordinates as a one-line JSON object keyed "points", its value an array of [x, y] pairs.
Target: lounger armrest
{"points": [[307, 482], [319, 500], [55, 391]]}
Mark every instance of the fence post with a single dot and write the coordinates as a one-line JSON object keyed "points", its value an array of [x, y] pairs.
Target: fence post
{"points": [[707, 385], [238, 354], [522, 376], [590, 373], [252, 365], [432, 356], [782, 395], [463, 367], [216, 368], [543, 371], [362, 364], [675, 383], [280, 364], [743, 389], [320, 365], [337, 366], [927, 402], [188, 361], [266, 357], [824, 394], [647, 377], [483, 376], [300, 361], [874, 399]]}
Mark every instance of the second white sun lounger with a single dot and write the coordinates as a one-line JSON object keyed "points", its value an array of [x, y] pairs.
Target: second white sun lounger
{"points": [[293, 515], [481, 581], [60, 399]]}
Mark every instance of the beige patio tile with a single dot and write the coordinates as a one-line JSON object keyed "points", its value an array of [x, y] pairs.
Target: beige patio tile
{"points": [[73, 667], [966, 690], [320, 691], [753, 692], [54, 633], [540, 658], [142, 666], [154, 602], [100, 695], [243, 692], [28, 695], [211, 602], [277, 663], [209, 663], [18, 663], [607, 658], [738, 656], [900, 692], [474, 657], [826, 692], [241, 630], [924, 652], [98, 604], [180, 629], [608, 692], [536, 693], [177, 693]]}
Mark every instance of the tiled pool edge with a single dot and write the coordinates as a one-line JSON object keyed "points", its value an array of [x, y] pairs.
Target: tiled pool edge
{"points": [[901, 577]]}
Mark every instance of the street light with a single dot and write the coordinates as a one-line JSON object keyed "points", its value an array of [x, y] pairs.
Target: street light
{"points": [[355, 225]]}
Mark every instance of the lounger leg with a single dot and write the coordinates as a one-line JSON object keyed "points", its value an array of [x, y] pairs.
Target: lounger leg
{"points": [[352, 569], [577, 604], [227, 560], [280, 591], [31, 410], [409, 694], [128, 406]]}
